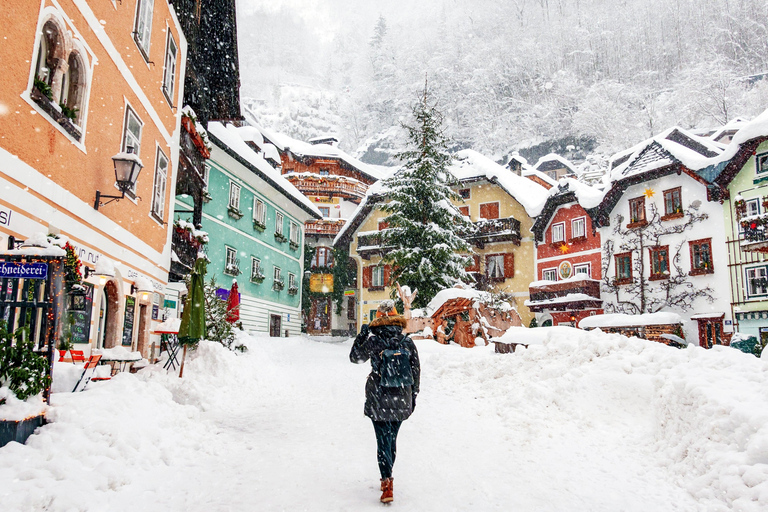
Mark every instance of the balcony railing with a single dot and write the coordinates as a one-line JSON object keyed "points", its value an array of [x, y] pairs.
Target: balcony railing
{"points": [[755, 239], [494, 230], [185, 247], [323, 227], [328, 186]]}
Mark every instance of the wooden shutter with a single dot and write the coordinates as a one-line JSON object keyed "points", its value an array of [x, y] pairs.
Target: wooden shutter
{"points": [[464, 210], [367, 277], [489, 211], [387, 272], [509, 265], [475, 265], [383, 225]]}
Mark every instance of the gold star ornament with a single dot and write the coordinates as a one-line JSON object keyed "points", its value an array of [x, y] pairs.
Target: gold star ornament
{"points": [[649, 193]]}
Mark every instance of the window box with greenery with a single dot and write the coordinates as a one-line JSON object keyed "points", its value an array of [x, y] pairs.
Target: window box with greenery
{"points": [[42, 95], [280, 238], [259, 226], [294, 245], [278, 284], [257, 276], [232, 269], [206, 196], [235, 213], [293, 290]]}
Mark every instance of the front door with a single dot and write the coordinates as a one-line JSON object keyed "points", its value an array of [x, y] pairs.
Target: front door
{"points": [[274, 326], [710, 332], [320, 316]]}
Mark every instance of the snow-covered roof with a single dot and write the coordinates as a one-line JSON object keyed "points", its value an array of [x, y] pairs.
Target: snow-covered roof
{"points": [[571, 297], [553, 161], [624, 320], [537, 336], [574, 278], [588, 196], [470, 164], [231, 137], [444, 296], [754, 129]]}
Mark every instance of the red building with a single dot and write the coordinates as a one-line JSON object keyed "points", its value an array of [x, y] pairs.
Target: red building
{"points": [[568, 257]]}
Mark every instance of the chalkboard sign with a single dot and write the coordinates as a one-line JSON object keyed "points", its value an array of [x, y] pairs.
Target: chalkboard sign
{"points": [[130, 309], [80, 320]]}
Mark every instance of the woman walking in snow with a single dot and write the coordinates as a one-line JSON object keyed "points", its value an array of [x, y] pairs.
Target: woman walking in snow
{"points": [[392, 385]]}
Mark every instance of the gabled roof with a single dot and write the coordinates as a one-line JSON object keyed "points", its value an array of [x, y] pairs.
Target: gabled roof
{"points": [[230, 140], [568, 191], [552, 162], [743, 145]]}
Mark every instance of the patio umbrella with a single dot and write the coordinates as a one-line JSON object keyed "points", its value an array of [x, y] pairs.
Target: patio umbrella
{"points": [[233, 304], [192, 327]]}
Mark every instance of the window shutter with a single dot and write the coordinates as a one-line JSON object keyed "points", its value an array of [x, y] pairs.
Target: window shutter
{"points": [[475, 265], [367, 277], [387, 272], [509, 265]]}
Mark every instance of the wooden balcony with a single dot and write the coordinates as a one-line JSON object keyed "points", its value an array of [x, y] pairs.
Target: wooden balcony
{"points": [[333, 186], [494, 230], [754, 239], [370, 244], [323, 227], [186, 248], [565, 295]]}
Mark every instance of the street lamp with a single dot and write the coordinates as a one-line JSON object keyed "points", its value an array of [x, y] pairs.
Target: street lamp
{"points": [[127, 168]]}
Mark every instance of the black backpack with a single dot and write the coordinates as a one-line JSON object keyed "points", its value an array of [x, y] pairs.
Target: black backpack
{"points": [[395, 369]]}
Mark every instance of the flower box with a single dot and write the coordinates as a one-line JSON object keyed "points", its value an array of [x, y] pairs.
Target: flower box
{"points": [[280, 237], [234, 213], [258, 226], [294, 245], [278, 285], [293, 290], [19, 431], [206, 197]]}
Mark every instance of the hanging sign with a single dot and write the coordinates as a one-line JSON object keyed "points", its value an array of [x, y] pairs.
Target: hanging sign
{"points": [[321, 283], [130, 308], [23, 270]]}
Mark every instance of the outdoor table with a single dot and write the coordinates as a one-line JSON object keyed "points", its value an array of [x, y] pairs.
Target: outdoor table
{"points": [[119, 358]]}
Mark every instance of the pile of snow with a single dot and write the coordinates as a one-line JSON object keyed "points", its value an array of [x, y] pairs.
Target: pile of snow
{"points": [[624, 320], [37, 245], [537, 336], [14, 409]]}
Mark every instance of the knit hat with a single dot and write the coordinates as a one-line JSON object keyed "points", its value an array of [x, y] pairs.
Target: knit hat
{"points": [[386, 308]]}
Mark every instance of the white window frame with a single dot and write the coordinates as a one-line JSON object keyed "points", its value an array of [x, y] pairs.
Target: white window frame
{"points": [[131, 139], [559, 229], [279, 220], [169, 72], [761, 163], [377, 277], [291, 280], [206, 176], [230, 259], [495, 271], [551, 272], [753, 205], [579, 268], [294, 233], [758, 272], [234, 195], [259, 211], [255, 265], [579, 221], [142, 27], [276, 273], [160, 184]]}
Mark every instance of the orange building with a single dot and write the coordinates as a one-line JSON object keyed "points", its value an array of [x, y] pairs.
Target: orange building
{"points": [[85, 82]]}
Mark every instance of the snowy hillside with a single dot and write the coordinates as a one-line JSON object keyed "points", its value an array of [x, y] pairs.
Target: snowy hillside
{"points": [[584, 422]]}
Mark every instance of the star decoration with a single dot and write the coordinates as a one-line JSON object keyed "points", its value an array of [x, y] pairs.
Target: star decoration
{"points": [[649, 193], [564, 248]]}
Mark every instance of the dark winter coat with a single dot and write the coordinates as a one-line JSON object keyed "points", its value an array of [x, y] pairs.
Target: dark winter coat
{"points": [[381, 403]]}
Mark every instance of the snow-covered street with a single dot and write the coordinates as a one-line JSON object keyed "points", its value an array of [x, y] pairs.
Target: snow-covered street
{"points": [[588, 421]]}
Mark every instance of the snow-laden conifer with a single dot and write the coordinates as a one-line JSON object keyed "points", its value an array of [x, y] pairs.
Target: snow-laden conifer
{"points": [[422, 224]]}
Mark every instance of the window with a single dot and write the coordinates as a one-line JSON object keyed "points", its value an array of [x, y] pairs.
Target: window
{"points": [[232, 265], [558, 232], [169, 77], [673, 204], [351, 308], [44, 66], [761, 163], [659, 262], [324, 172], [277, 275], [132, 136], [549, 274], [161, 177], [752, 207], [279, 223], [294, 234], [377, 277], [73, 87], [206, 176], [256, 273], [464, 193], [637, 210], [623, 268], [757, 281], [323, 257], [578, 227], [489, 211], [583, 268], [234, 195], [464, 210], [259, 212], [291, 280], [325, 211], [142, 31], [701, 256], [494, 266]]}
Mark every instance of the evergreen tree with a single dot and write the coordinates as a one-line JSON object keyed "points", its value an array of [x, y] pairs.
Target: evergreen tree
{"points": [[423, 224]]}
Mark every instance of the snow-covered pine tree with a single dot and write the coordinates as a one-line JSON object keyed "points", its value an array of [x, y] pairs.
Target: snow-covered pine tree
{"points": [[423, 225]]}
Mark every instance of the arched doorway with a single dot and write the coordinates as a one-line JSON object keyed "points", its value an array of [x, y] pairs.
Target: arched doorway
{"points": [[107, 337]]}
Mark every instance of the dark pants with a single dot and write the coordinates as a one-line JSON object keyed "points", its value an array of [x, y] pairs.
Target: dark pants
{"points": [[386, 445]]}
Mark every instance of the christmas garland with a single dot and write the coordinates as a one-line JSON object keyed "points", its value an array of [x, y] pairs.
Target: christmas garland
{"points": [[341, 279], [73, 276]]}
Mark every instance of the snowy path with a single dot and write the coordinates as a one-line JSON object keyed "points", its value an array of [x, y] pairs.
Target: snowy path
{"points": [[284, 430]]}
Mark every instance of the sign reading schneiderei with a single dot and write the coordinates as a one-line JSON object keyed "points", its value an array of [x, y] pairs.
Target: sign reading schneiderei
{"points": [[15, 270]]}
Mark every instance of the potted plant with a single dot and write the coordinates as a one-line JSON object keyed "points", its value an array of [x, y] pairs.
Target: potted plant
{"points": [[259, 226], [24, 374], [278, 284], [293, 290], [257, 276], [235, 213], [280, 237]]}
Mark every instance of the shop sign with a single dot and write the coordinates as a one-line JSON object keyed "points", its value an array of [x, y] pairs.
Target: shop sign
{"points": [[349, 293], [321, 283], [15, 270]]}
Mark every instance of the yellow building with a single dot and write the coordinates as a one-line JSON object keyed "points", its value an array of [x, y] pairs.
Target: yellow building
{"points": [[502, 206]]}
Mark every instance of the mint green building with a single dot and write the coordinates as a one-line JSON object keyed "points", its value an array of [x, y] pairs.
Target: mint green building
{"points": [[255, 224], [745, 174]]}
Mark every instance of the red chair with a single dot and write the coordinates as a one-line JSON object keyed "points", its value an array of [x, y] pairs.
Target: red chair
{"points": [[77, 356], [92, 362]]}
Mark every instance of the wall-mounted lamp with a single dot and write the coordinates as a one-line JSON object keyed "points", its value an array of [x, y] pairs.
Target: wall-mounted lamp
{"points": [[127, 168], [143, 287], [87, 272]]}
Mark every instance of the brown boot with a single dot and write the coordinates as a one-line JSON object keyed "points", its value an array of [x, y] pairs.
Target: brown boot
{"points": [[387, 489]]}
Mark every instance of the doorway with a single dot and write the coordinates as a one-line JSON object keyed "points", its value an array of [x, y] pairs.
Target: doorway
{"points": [[274, 325], [710, 332], [320, 316]]}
